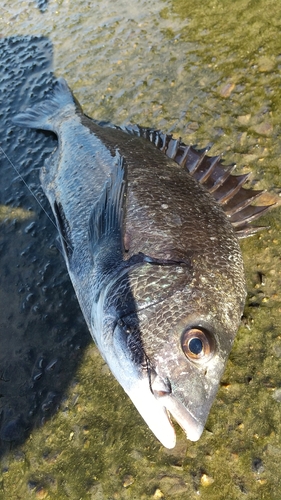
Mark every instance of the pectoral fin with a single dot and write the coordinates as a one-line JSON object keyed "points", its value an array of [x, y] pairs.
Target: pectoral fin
{"points": [[106, 221]]}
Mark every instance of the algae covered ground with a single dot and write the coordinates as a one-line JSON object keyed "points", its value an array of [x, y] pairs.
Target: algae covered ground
{"points": [[210, 73]]}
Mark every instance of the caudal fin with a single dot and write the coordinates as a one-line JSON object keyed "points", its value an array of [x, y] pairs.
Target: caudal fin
{"points": [[44, 114]]}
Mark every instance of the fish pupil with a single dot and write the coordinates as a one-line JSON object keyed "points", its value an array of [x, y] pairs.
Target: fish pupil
{"points": [[195, 346]]}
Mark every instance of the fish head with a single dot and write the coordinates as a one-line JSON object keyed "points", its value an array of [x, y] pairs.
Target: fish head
{"points": [[187, 338], [170, 344], [186, 371]]}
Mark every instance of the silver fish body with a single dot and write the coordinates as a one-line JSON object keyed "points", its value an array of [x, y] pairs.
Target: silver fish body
{"points": [[154, 261]]}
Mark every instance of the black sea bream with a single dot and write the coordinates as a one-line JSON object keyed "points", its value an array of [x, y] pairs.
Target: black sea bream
{"points": [[146, 227]]}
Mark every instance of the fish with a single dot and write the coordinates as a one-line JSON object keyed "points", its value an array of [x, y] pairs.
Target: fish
{"points": [[149, 231]]}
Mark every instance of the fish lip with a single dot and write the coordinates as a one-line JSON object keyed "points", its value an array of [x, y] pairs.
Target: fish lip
{"points": [[192, 427], [163, 392], [157, 411], [153, 412]]}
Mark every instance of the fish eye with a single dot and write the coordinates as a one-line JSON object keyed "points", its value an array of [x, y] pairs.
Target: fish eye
{"points": [[197, 344]]}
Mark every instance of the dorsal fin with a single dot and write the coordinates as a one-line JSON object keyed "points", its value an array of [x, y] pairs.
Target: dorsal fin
{"points": [[226, 188]]}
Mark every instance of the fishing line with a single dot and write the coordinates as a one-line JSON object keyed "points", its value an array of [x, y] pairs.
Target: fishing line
{"points": [[34, 196]]}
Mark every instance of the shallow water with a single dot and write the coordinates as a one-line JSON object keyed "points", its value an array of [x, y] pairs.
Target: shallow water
{"points": [[209, 72]]}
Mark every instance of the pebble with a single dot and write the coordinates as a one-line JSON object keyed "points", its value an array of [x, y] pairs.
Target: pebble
{"points": [[262, 481], [128, 480], [226, 89], [158, 494], [172, 485], [277, 395], [257, 465], [51, 456], [206, 480], [264, 128], [41, 493], [266, 64], [244, 119], [277, 352]]}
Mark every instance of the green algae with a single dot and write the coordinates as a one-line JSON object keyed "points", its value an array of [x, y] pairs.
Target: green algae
{"points": [[210, 72]]}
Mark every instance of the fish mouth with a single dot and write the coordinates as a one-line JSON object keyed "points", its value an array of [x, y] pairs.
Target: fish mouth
{"points": [[162, 391], [182, 415], [153, 412], [156, 409]]}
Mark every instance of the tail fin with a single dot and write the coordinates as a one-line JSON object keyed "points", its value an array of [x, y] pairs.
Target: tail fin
{"points": [[44, 114]]}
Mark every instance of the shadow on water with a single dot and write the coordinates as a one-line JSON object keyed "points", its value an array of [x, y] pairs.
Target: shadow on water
{"points": [[43, 334]]}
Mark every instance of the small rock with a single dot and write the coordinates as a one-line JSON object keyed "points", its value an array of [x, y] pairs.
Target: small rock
{"points": [[226, 89], [277, 353], [264, 128], [136, 455], [257, 466], [31, 485], [172, 485], [244, 119], [191, 127], [262, 481], [51, 456], [86, 444], [265, 64], [41, 493], [267, 198], [206, 480], [277, 395], [158, 494], [128, 480]]}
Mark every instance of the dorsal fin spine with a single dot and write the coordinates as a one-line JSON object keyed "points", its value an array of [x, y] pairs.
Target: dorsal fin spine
{"points": [[173, 148], [238, 206], [221, 180], [213, 163], [184, 156], [241, 179], [217, 179]]}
